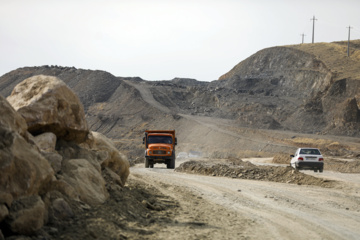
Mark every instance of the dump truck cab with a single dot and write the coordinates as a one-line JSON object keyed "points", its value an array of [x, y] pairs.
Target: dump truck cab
{"points": [[160, 147]]}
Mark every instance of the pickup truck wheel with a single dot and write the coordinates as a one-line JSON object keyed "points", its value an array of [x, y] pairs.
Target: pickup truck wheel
{"points": [[146, 163]]}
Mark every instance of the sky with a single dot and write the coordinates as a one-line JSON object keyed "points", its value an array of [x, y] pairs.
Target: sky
{"points": [[163, 39]]}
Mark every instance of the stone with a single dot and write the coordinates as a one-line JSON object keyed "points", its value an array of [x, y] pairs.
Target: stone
{"points": [[49, 105], [86, 180], [65, 188], [60, 210], [11, 119], [4, 212], [112, 158], [6, 198], [115, 178], [46, 141], [71, 150], [54, 160], [23, 170], [27, 215]]}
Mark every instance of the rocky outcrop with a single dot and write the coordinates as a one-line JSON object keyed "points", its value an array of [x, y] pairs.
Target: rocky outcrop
{"points": [[48, 105], [24, 171], [43, 177]]}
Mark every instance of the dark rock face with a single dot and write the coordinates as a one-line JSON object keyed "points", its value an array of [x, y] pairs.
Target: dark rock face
{"points": [[309, 95]]}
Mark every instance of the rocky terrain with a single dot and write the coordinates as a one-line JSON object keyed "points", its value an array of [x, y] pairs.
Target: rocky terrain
{"points": [[307, 89], [67, 135], [51, 164]]}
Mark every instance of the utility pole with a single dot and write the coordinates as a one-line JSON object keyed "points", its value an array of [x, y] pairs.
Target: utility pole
{"points": [[313, 32], [348, 49], [302, 38]]}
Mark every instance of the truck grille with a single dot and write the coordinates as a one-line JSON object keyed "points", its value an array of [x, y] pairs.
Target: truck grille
{"points": [[159, 152]]}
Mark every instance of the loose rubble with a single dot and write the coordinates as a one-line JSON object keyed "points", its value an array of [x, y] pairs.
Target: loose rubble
{"points": [[236, 168]]}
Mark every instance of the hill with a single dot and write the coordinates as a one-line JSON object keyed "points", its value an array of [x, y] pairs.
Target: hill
{"points": [[256, 108]]}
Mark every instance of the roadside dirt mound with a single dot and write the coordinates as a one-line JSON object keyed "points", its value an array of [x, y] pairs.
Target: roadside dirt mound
{"points": [[281, 158], [247, 170], [136, 211]]}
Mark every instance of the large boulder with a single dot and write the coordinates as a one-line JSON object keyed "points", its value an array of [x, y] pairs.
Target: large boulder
{"points": [[110, 157], [86, 180], [71, 150], [49, 105], [23, 171]]}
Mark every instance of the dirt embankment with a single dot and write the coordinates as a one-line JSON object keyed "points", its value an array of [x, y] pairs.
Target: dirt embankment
{"points": [[136, 211], [236, 168]]}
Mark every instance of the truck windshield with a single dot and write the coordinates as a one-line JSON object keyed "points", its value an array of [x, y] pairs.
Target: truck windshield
{"points": [[160, 139]]}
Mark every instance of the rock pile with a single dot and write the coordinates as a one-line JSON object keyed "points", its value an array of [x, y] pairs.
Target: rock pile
{"points": [[49, 160], [237, 168]]}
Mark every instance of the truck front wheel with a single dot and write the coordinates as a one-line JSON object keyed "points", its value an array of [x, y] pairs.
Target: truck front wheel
{"points": [[171, 163], [146, 163]]}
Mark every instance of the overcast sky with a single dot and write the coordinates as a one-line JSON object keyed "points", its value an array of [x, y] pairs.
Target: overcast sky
{"points": [[162, 39]]}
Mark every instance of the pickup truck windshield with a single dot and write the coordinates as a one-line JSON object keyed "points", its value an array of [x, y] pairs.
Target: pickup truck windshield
{"points": [[160, 139]]}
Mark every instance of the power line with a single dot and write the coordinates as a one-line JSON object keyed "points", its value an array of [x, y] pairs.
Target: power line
{"points": [[313, 31], [302, 37], [348, 49]]}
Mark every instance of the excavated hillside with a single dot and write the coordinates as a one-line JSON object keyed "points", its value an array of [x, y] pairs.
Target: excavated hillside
{"points": [[317, 83], [255, 108]]}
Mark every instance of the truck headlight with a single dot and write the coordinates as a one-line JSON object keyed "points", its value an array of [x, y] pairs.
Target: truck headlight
{"points": [[169, 152], [150, 152]]}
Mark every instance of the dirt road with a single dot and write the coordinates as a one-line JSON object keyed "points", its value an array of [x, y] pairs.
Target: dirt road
{"points": [[225, 208]]}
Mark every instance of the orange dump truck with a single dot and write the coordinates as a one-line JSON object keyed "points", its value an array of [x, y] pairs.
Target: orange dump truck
{"points": [[160, 147]]}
